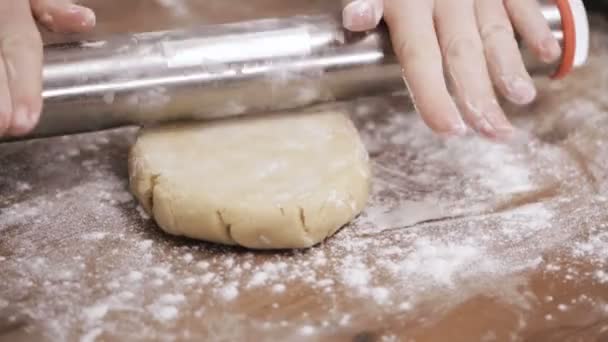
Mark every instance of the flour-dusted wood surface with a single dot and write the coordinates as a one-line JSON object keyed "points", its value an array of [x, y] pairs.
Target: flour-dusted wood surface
{"points": [[462, 240]]}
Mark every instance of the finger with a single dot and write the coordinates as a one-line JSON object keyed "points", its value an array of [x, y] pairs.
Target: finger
{"points": [[21, 48], [416, 46], [63, 15], [529, 22], [362, 15], [466, 65], [6, 107], [504, 59]]}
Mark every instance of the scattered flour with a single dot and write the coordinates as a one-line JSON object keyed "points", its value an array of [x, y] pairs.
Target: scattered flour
{"points": [[279, 288], [258, 279], [307, 330], [356, 273], [380, 294], [96, 236], [203, 265], [188, 257], [229, 292], [142, 213], [135, 276], [95, 312], [145, 244], [164, 313], [91, 335], [172, 298]]}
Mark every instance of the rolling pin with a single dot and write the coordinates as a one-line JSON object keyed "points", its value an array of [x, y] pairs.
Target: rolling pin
{"points": [[235, 69]]}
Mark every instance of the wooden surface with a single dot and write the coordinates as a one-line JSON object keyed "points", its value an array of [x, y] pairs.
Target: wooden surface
{"points": [[462, 240]]}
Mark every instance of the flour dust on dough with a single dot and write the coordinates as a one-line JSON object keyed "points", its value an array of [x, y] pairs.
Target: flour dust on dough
{"points": [[268, 182]]}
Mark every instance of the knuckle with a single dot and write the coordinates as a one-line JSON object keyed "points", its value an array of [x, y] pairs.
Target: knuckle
{"points": [[515, 4], [411, 53], [390, 7], [38, 5], [496, 31], [26, 41], [457, 47]]}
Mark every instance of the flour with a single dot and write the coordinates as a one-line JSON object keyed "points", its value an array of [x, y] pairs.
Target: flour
{"points": [[188, 257], [229, 291], [95, 236], [594, 250], [495, 166], [307, 330], [441, 262], [95, 312], [142, 213], [135, 276], [258, 279], [145, 245], [152, 98], [164, 313], [355, 274], [207, 278], [160, 271], [170, 298], [380, 294], [23, 186], [601, 276], [280, 288], [91, 335], [203, 265]]}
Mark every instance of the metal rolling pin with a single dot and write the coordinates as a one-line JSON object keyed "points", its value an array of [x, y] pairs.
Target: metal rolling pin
{"points": [[235, 69]]}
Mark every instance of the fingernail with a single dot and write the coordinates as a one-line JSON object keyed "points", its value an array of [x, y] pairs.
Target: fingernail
{"points": [[456, 128], [359, 15], [550, 50], [4, 123], [87, 14], [482, 125], [459, 128], [21, 120], [500, 127], [34, 117], [520, 91]]}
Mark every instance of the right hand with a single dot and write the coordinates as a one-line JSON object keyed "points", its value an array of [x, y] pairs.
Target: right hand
{"points": [[21, 55], [473, 43]]}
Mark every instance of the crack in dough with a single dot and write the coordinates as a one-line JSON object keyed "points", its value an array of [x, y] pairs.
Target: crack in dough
{"points": [[227, 226]]}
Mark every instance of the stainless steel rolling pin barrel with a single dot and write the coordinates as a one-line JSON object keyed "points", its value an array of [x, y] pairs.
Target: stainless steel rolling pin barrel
{"points": [[219, 71]]}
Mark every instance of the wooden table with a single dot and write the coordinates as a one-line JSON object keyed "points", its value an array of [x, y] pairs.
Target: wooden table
{"points": [[462, 240]]}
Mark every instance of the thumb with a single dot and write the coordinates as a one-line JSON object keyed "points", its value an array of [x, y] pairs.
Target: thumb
{"points": [[63, 15], [362, 15]]}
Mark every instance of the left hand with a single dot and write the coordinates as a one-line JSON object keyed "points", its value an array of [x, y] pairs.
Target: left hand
{"points": [[21, 55]]}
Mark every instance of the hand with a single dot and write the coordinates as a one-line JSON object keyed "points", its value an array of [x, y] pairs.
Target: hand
{"points": [[21, 56], [470, 41]]}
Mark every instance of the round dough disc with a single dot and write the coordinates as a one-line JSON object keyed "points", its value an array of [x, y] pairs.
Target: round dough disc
{"points": [[269, 182]]}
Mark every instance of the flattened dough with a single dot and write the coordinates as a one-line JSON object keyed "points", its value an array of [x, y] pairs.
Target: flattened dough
{"points": [[270, 182]]}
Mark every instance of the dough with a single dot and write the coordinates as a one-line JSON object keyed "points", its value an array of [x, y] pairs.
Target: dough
{"points": [[268, 182]]}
